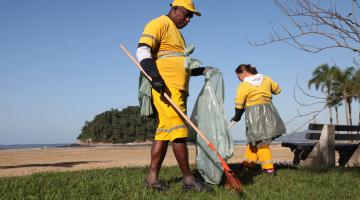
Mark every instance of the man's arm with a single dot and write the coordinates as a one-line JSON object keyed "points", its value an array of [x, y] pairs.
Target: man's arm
{"points": [[200, 70], [144, 56], [197, 71]]}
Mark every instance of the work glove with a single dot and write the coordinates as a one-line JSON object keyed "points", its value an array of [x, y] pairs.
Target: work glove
{"points": [[201, 70], [236, 118], [158, 84], [238, 114]]}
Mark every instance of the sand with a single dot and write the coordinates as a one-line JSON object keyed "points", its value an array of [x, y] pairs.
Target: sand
{"points": [[20, 162]]}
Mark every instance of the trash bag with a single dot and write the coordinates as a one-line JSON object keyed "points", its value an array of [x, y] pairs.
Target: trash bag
{"points": [[263, 122], [144, 97], [209, 116]]}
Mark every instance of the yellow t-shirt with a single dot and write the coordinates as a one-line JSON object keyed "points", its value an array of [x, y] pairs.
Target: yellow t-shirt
{"points": [[248, 95], [162, 35]]}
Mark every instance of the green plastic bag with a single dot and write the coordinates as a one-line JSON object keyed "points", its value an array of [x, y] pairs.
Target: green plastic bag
{"points": [[209, 116], [144, 97], [263, 122]]}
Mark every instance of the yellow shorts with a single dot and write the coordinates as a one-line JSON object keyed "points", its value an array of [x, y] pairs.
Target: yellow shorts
{"points": [[170, 125]]}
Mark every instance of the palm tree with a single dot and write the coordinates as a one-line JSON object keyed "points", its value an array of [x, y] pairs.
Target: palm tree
{"points": [[334, 100], [356, 81], [322, 77], [344, 84]]}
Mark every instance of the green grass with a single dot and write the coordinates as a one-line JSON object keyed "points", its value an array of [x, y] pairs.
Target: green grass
{"points": [[127, 183]]}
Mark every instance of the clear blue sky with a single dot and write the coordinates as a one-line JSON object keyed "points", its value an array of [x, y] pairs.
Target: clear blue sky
{"points": [[60, 62]]}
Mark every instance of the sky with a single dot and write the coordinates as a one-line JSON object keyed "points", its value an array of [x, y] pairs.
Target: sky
{"points": [[60, 61]]}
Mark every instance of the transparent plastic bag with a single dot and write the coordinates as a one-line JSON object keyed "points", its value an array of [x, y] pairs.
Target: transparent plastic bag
{"points": [[209, 116], [263, 122]]}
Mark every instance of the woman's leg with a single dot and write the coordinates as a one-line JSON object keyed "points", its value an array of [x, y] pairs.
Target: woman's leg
{"points": [[265, 158], [250, 156]]}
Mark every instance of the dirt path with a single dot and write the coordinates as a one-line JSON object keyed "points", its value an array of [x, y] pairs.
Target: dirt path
{"points": [[27, 161]]}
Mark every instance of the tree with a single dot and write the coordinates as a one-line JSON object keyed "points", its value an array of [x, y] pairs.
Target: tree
{"points": [[334, 100], [356, 82], [322, 77], [118, 127], [343, 83], [321, 21]]}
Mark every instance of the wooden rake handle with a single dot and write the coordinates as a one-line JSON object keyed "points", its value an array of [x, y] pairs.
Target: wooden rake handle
{"points": [[183, 115]]}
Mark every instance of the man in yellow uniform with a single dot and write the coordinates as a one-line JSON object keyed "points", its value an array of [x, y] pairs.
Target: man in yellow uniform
{"points": [[161, 54]]}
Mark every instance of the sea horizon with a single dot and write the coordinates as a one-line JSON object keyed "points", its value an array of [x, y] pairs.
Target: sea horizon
{"points": [[74, 144]]}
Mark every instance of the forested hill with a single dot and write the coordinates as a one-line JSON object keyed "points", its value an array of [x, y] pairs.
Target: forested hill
{"points": [[116, 126]]}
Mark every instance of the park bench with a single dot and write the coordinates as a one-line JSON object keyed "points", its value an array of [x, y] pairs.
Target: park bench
{"points": [[321, 143]]}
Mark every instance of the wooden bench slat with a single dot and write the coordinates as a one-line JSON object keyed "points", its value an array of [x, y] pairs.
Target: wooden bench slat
{"points": [[307, 145], [318, 127], [316, 136]]}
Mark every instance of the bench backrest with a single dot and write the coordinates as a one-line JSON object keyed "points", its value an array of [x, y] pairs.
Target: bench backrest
{"points": [[316, 136], [318, 127]]}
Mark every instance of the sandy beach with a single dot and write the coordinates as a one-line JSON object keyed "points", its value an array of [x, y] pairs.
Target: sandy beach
{"points": [[19, 162]]}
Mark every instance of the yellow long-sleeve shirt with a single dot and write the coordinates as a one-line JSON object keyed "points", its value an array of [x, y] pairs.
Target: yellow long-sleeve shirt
{"points": [[248, 95]]}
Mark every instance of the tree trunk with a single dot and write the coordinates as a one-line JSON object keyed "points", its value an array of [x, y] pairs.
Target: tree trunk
{"points": [[330, 115], [346, 111], [359, 114], [329, 107], [350, 113], [337, 115]]}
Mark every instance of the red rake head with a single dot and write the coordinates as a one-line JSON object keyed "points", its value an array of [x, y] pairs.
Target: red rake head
{"points": [[233, 183]]}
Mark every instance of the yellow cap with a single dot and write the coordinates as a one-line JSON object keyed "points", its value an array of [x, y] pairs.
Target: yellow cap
{"points": [[187, 4]]}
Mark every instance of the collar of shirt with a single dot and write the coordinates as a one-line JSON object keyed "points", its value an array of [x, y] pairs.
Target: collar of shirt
{"points": [[254, 80]]}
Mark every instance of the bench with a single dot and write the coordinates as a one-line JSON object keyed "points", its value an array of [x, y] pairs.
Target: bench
{"points": [[320, 143]]}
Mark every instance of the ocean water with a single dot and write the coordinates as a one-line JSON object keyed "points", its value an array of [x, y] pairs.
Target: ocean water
{"points": [[240, 141], [299, 137], [34, 146], [62, 145]]}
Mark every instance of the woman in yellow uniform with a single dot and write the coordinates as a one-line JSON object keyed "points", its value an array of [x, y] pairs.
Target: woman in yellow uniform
{"points": [[263, 123]]}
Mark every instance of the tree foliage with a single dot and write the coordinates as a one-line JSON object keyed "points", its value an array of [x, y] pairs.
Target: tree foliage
{"points": [[323, 78], [344, 85], [339, 85], [357, 84], [116, 126]]}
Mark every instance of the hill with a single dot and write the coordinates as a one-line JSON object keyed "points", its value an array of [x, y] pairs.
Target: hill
{"points": [[116, 126]]}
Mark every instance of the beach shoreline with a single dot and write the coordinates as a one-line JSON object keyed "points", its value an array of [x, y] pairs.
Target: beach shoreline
{"points": [[21, 162]]}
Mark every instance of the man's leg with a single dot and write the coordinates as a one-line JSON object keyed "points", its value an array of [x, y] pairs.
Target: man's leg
{"points": [[182, 156], [158, 152]]}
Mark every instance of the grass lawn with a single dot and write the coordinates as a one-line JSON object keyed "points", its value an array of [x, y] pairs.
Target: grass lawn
{"points": [[127, 183]]}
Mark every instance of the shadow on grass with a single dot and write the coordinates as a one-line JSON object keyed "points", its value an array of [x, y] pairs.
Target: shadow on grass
{"points": [[174, 180], [60, 164], [247, 175], [338, 169]]}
